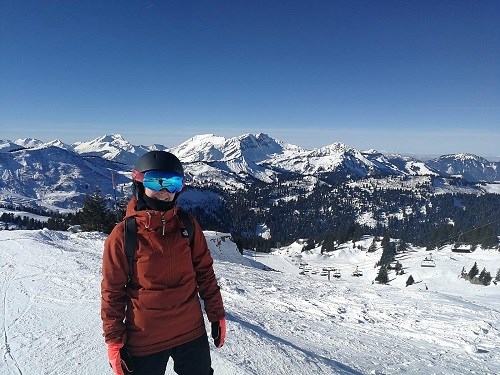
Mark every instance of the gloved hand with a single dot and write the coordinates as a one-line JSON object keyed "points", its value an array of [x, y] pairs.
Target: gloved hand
{"points": [[119, 359], [219, 332]]}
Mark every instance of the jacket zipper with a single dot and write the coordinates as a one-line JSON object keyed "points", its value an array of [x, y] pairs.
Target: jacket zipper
{"points": [[163, 221]]}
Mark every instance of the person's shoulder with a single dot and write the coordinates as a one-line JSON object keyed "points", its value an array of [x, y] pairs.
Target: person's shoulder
{"points": [[117, 232], [119, 226], [190, 215]]}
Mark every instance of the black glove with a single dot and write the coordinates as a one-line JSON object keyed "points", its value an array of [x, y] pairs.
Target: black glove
{"points": [[127, 362], [219, 332]]}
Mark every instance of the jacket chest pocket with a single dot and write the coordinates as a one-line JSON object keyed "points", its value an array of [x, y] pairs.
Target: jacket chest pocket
{"points": [[163, 260], [153, 261]]}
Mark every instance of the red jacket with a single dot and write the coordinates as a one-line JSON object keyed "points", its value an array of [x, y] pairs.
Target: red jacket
{"points": [[161, 308]]}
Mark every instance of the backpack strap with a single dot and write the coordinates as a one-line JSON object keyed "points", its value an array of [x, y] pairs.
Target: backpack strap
{"points": [[130, 235], [188, 224]]}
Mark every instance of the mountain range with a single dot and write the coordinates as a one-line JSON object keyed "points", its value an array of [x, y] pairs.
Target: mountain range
{"points": [[264, 158], [59, 174], [267, 192]]}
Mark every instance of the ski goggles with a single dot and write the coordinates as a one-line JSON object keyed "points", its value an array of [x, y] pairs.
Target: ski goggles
{"points": [[157, 180]]}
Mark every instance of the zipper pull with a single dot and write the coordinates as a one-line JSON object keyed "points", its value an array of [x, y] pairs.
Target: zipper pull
{"points": [[163, 222]]}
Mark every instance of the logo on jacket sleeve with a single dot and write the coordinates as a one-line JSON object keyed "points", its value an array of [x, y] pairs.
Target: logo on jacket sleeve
{"points": [[184, 233]]}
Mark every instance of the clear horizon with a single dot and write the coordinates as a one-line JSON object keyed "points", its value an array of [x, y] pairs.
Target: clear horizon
{"points": [[406, 77]]}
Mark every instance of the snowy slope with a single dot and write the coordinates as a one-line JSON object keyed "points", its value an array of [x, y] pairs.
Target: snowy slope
{"points": [[55, 176], [279, 322], [6, 146]]}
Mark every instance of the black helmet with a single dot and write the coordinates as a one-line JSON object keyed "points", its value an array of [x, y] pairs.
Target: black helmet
{"points": [[159, 160]]}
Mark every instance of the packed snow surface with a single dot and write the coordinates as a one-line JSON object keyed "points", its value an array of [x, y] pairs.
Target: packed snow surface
{"points": [[279, 322]]}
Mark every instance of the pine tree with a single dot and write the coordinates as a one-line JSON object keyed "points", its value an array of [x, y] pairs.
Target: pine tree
{"points": [[486, 278], [482, 275], [497, 277], [386, 241], [328, 244], [410, 281], [382, 277], [473, 271], [388, 253], [373, 247], [95, 215], [463, 274]]}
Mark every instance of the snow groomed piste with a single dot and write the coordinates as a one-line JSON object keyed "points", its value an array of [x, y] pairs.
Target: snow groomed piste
{"points": [[279, 322]]}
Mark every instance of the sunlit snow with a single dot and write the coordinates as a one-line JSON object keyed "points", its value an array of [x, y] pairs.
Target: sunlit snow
{"points": [[279, 322]]}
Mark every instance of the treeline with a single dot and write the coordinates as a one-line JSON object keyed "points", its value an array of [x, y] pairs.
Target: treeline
{"points": [[24, 222], [474, 276], [331, 215], [95, 215], [326, 215]]}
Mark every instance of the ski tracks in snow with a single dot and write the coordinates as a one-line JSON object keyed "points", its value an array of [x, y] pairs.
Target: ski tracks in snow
{"points": [[266, 336], [340, 330], [46, 289], [9, 273]]}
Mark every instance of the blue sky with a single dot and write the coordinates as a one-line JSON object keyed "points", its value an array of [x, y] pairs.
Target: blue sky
{"points": [[405, 76]]}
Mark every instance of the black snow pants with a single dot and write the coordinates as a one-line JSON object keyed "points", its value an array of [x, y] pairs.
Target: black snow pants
{"points": [[191, 358]]}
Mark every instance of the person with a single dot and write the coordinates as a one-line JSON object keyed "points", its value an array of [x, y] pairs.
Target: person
{"points": [[157, 313]]}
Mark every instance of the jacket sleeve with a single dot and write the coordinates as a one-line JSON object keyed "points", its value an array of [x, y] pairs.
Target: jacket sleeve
{"points": [[113, 287], [208, 288]]}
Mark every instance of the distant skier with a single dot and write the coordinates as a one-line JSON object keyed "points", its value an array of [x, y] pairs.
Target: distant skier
{"points": [[156, 314]]}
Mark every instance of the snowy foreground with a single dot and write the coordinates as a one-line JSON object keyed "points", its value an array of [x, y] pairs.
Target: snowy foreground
{"points": [[278, 322]]}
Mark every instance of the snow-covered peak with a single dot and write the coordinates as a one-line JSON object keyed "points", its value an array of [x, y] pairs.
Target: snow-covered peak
{"points": [[111, 147], [335, 148], [28, 142], [205, 147], [469, 166], [256, 147], [58, 143], [464, 157], [370, 151], [109, 143], [328, 159], [209, 148]]}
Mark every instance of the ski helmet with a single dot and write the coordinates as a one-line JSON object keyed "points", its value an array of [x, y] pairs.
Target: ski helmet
{"points": [[154, 160], [159, 160]]}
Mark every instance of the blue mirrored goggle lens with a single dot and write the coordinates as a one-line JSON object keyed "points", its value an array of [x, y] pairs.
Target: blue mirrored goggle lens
{"points": [[158, 180]]}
